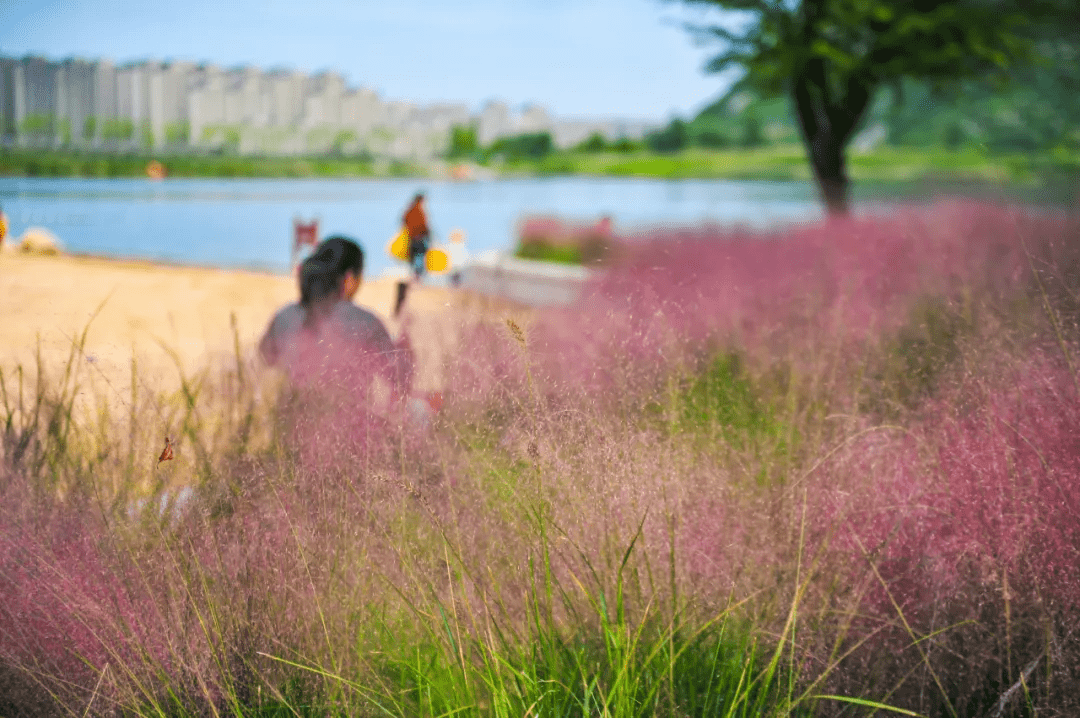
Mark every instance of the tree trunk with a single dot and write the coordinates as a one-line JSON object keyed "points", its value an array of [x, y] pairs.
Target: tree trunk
{"points": [[830, 170], [826, 124]]}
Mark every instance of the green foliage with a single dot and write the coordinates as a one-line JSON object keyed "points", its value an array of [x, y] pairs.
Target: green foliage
{"points": [[38, 124], [463, 141], [672, 138], [744, 118], [625, 144], [870, 41], [724, 406], [89, 128], [723, 396], [118, 129], [618, 669], [832, 58], [596, 143], [94, 164], [585, 248], [899, 166], [593, 143], [1037, 112], [752, 135], [146, 136], [1051, 172], [342, 140], [712, 139], [231, 142], [548, 252], [533, 145], [177, 133], [915, 359]]}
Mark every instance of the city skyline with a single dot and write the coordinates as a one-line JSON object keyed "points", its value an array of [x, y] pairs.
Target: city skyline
{"points": [[629, 59], [515, 104], [184, 106]]}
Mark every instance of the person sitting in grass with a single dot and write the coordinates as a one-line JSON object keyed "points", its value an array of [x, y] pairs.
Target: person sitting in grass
{"points": [[325, 342]]}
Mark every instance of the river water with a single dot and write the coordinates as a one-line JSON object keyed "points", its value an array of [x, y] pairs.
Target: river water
{"points": [[248, 222]]}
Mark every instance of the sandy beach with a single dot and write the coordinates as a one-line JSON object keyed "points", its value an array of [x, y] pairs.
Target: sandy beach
{"points": [[169, 318]]}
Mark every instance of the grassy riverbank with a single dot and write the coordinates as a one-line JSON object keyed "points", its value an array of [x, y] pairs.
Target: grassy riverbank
{"points": [[780, 163], [23, 163], [813, 475]]}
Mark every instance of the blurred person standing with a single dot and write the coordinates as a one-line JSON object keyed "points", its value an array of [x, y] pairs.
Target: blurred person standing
{"points": [[3, 226], [416, 226]]}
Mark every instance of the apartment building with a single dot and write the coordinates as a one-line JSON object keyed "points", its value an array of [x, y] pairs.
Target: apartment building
{"points": [[184, 106]]}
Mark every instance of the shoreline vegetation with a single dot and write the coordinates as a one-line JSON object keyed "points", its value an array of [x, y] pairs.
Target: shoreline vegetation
{"points": [[884, 164]]}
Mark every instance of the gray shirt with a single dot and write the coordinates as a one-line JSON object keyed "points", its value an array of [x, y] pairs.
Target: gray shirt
{"points": [[343, 329]]}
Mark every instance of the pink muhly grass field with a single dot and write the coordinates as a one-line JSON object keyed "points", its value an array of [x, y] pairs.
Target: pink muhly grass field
{"points": [[919, 548], [971, 505], [829, 283]]}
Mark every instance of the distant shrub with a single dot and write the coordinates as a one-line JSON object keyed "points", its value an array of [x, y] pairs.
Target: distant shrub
{"points": [[554, 240], [534, 145], [672, 138], [546, 252]]}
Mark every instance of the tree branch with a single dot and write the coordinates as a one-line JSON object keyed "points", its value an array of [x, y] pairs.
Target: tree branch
{"points": [[845, 113], [720, 62], [773, 9], [716, 31], [804, 109]]}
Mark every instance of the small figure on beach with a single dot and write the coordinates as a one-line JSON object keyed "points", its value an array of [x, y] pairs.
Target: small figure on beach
{"points": [[458, 255], [3, 226], [305, 234], [416, 226]]}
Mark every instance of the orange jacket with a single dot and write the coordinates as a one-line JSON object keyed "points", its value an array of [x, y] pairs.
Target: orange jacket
{"points": [[415, 221]]}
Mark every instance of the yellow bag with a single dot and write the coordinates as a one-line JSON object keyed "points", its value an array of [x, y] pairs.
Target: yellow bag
{"points": [[399, 246], [436, 261]]}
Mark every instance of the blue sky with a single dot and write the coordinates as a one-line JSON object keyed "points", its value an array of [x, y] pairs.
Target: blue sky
{"points": [[624, 58]]}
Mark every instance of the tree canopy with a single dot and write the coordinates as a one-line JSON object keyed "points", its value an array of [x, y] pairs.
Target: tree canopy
{"points": [[831, 57]]}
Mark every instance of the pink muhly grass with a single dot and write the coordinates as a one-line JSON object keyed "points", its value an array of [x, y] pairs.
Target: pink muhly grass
{"points": [[966, 522], [834, 282], [1012, 472], [544, 468], [71, 604], [990, 481]]}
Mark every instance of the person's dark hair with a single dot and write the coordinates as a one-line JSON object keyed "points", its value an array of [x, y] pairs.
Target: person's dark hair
{"points": [[322, 272], [419, 196]]}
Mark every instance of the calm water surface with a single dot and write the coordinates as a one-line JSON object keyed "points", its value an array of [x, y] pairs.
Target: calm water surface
{"points": [[248, 222]]}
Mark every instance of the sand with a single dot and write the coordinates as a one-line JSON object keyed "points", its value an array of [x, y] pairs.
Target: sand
{"points": [[171, 319]]}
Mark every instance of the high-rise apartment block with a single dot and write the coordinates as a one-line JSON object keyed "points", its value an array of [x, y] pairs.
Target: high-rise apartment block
{"points": [[184, 106]]}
